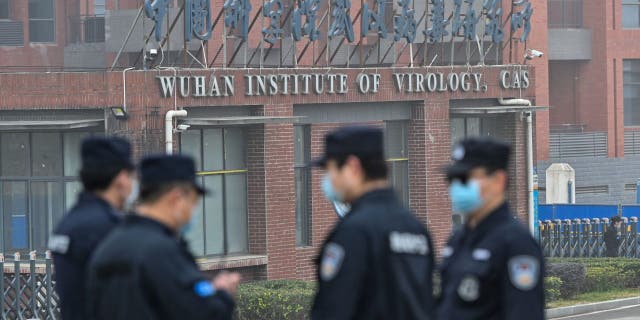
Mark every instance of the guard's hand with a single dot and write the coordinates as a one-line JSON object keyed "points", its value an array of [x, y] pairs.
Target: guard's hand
{"points": [[227, 281]]}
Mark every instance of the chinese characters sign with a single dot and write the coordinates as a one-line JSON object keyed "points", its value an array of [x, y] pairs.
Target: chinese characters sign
{"points": [[374, 15]]}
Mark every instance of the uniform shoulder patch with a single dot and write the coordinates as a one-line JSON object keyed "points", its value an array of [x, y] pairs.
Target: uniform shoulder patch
{"points": [[331, 261], [59, 243], [524, 272], [204, 289]]}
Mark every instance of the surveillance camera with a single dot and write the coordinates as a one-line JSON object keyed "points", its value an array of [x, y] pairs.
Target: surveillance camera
{"points": [[182, 127], [153, 52], [536, 53]]}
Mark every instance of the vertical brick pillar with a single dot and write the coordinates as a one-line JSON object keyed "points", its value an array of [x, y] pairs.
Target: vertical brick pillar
{"points": [[429, 153], [256, 196], [279, 194], [517, 194]]}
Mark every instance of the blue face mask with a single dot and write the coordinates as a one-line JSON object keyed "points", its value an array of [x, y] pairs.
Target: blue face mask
{"points": [[186, 228], [328, 190], [465, 198]]}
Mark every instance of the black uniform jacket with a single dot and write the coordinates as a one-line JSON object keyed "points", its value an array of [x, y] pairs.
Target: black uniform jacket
{"points": [[72, 244], [377, 263], [494, 271], [612, 241], [142, 271]]}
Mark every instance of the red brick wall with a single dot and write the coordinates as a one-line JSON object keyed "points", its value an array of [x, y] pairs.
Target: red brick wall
{"points": [[37, 56]]}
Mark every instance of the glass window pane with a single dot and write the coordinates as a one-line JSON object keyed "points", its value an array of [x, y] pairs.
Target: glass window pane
{"points": [[396, 139], [302, 207], [41, 9], [473, 127], [191, 145], [41, 31], [457, 130], [72, 160], [631, 92], [400, 180], [630, 16], [71, 192], [15, 215], [236, 212], [14, 153], [234, 149], [214, 219], [46, 211], [299, 145], [46, 156], [99, 7], [213, 152], [195, 236], [4, 9]]}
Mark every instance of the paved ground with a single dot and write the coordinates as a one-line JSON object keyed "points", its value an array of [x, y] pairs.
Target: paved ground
{"points": [[626, 313]]}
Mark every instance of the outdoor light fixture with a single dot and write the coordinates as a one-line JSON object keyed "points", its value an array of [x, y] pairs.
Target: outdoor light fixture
{"points": [[119, 112]]}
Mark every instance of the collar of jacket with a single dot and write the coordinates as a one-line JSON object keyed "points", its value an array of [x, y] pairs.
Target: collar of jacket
{"points": [[378, 195], [502, 213], [90, 197], [136, 219]]}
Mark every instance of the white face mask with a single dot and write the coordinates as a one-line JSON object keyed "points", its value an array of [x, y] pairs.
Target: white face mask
{"points": [[133, 196]]}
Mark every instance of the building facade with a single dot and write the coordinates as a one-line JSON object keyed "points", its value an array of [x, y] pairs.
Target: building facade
{"points": [[255, 115], [593, 67]]}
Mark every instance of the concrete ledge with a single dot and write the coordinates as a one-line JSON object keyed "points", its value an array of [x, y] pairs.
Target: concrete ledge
{"points": [[591, 307]]}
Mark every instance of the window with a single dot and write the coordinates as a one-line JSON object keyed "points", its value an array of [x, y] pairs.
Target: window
{"points": [[462, 127], [38, 183], [302, 155], [221, 226], [631, 92], [100, 8], [4, 9], [397, 153], [41, 21], [631, 14]]}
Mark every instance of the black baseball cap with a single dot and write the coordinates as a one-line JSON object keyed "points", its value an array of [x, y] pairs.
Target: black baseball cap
{"points": [[103, 153], [478, 152], [164, 169], [360, 141]]}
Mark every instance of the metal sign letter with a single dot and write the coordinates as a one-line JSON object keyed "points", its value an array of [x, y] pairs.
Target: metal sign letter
{"points": [[405, 24], [373, 21], [156, 11], [197, 19], [341, 22], [272, 9], [309, 9], [237, 15]]}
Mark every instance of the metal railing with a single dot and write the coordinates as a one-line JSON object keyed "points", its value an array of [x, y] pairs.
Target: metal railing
{"points": [[86, 29], [582, 238], [565, 14], [27, 288]]}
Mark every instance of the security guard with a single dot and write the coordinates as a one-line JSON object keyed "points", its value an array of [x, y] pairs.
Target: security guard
{"points": [[377, 263], [492, 267], [142, 270], [107, 178]]}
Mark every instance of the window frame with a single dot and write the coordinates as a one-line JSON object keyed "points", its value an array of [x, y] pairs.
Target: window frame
{"points": [[630, 3], [202, 172], [626, 84], [305, 237], [8, 17], [52, 19], [393, 160], [29, 179]]}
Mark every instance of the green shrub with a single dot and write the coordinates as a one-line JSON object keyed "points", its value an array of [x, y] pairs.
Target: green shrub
{"points": [[604, 274], [275, 300], [572, 274], [552, 286]]}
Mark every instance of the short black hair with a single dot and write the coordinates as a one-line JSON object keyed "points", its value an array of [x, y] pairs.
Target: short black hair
{"points": [[375, 167], [615, 219], [99, 179], [152, 193]]}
